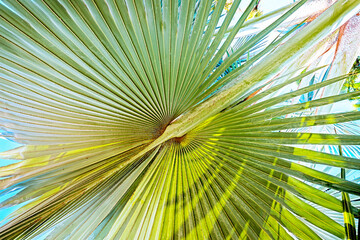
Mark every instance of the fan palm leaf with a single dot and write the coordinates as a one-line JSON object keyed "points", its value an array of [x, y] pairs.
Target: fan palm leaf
{"points": [[131, 130]]}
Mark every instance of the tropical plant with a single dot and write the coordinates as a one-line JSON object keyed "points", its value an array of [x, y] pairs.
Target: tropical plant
{"points": [[134, 126]]}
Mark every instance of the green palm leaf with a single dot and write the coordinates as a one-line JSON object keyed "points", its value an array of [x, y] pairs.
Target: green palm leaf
{"points": [[131, 129]]}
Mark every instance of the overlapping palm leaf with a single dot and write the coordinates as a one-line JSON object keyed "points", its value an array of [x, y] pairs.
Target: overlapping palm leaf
{"points": [[129, 133]]}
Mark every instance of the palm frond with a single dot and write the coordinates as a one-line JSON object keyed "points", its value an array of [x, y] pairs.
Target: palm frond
{"points": [[131, 130]]}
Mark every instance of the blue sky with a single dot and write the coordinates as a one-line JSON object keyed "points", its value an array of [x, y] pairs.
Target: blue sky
{"points": [[4, 146]]}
